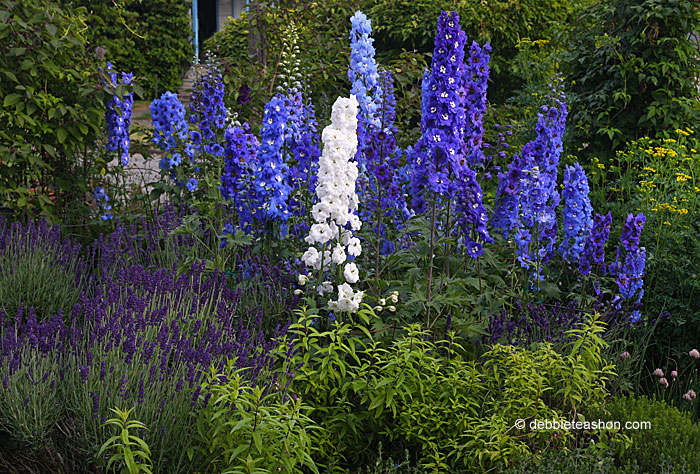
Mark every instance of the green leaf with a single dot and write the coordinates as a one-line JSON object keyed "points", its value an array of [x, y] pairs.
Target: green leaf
{"points": [[11, 100]]}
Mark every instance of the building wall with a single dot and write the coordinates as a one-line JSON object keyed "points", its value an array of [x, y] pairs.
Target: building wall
{"points": [[225, 11]]}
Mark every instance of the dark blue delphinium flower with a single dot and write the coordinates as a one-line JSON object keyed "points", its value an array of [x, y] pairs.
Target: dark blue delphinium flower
{"points": [[168, 116], [207, 109], [594, 250], [439, 156], [238, 177], [630, 262], [576, 216], [118, 114], [475, 86], [272, 174]]}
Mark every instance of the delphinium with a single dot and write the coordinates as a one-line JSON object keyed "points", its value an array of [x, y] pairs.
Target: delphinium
{"points": [[476, 78], [273, 172], [576, 216], [332, 243], [594, 250], [364, 78], [118, 114], [238, 178], [102, 200], [629, 264], [170, 126], [383, 200], [290, 74], [207, 111], [442, 180], [533, 220]]}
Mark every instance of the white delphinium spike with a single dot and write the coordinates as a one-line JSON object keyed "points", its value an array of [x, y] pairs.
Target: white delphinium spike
{"points": [[331, 238]]}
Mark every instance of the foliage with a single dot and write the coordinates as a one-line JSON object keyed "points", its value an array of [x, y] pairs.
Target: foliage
{"points": [[323, 40], [130, 449], [672, 435], [632, 68], [39, 269], [661, 178], [52, 108], [248, 427], [581, 460], [150, 39], [409, 390], [410, 25]]}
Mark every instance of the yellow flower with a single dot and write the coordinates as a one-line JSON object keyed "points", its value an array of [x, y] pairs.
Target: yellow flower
{"points": [[682, 132], [667, 223], [601, 166]]}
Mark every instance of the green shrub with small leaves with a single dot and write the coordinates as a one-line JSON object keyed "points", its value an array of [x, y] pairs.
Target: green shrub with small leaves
{"points": [[633, 68], [671, 440], [453, 413]]}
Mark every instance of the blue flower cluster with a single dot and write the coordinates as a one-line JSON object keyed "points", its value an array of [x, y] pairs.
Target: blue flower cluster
{"points": [[102, 199], [534, 219], [594, 251], [476, 78], [363, 73], [240, 165], [439, 156], [471, 214], [169, 122], [630, 270], [272, 176], [576, 216], [118, 114], [207, 109]]}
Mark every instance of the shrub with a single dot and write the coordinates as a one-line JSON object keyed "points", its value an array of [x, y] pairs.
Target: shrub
{"points": [[577, 461], [151, 39], [453, 413], [52, 111], [633, 69], [671, 439], [249, 427]]}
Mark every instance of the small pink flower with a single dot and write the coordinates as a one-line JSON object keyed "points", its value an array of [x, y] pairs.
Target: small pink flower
{"points": [[658, 373], [663, 381], [694, 354], [625, 355], [690, 395], [674, 374]]}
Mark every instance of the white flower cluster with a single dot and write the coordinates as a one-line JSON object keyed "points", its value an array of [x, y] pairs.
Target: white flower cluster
{"points": [[333, 214]]}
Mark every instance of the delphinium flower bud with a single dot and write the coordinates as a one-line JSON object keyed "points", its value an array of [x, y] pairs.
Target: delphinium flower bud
{"points": [[334, 213]]}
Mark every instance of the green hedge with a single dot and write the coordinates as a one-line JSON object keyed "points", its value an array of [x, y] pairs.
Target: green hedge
{"points": [[150, 38]]}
